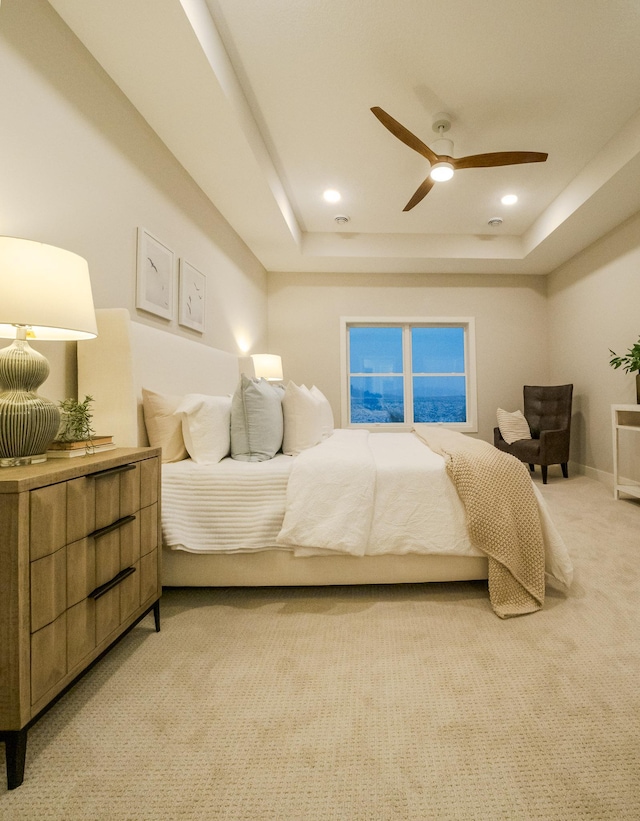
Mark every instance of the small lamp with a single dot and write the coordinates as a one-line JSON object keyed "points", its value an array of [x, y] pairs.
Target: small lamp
{"points": [[268, 366], [45, 293]]}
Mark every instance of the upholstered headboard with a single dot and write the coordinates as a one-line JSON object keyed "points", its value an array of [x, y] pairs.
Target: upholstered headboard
{"points": [[127, 356]]}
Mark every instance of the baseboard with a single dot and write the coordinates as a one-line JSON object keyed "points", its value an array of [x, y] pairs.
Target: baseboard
{"points": [[592, 473]]}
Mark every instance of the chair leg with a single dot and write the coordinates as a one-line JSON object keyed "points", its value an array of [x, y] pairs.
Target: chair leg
{"points": [[532, 468], [565, 470], [543, 470]]}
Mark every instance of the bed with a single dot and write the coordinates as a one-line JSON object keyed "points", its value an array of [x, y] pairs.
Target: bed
{"points": [[128, 357]]}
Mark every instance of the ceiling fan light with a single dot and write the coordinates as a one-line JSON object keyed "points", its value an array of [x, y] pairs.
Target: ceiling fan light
{"points": [[441, 171]]}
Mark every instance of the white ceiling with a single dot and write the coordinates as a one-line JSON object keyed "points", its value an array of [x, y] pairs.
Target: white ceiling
{"points": [[267, 102]]}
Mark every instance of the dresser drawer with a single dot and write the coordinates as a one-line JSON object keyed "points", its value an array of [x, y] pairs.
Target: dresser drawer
{"points": [[81, 632], [148, 529], [48, 521], [94, 619], [99, 500], [148, 576], [48, 657], [116, 600], [48, 588]]}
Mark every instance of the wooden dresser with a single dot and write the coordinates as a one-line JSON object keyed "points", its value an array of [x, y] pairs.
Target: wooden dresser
{"points": [[79, 566]]}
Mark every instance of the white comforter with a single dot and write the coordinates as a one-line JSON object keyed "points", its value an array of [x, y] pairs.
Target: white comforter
{"points": [[367, 494], [364, 493]]}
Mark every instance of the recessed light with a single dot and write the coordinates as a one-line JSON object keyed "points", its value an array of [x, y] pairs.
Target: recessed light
{"points": [[509, 199], [331, 195]]}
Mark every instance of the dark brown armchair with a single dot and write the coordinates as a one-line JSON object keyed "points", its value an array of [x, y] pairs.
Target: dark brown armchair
{"points": [[547, 410]]}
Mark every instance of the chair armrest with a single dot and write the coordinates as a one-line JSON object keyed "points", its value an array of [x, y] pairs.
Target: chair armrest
{"points": [[554, 445], [497, 437]]}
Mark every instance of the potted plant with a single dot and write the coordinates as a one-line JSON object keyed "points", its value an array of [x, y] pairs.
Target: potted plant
{"points": [[630, 362], [75, 421]]}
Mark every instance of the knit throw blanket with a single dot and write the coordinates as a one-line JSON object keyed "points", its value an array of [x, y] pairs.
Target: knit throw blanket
{"points": [[502, 517]]}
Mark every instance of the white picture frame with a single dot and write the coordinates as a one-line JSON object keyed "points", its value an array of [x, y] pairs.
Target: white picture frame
{"points": [[155, 266], [192, 298]]}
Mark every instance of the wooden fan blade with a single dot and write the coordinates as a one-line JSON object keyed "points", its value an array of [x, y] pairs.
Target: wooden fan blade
{"points": [[420, 194], [498, 158], [404, 135]]}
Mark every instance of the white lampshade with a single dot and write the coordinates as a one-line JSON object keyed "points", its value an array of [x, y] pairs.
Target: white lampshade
{"points": [[45, 293], [268, 366], [46, 289]]}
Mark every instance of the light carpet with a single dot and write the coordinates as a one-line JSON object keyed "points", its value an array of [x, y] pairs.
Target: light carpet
{"points": [[365, 703]]}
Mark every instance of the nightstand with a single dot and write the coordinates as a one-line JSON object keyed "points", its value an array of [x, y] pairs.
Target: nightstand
{"points": [[623, 417], [79, 566]]}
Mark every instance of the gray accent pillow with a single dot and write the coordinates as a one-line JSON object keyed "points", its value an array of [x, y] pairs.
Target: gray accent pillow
{"points": [[256, 421]]}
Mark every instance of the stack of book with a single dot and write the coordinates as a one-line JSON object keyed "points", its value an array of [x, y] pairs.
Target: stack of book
{"points": [[65, 450]]}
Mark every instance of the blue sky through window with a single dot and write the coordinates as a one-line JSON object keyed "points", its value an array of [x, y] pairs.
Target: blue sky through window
{"points": [[437, 350], [433, 350], [375, 350]]}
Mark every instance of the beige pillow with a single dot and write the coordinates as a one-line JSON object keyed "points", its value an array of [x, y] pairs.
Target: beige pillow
{"points": [[513, 426], [164, 428]]}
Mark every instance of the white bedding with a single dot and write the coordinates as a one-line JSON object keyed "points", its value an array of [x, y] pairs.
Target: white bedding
{"points": [[368, 494], [355, 493], [228, 507]]}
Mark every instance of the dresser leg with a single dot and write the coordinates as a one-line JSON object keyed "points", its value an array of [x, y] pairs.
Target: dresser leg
{"points": [[156, 615], [16, 752]]}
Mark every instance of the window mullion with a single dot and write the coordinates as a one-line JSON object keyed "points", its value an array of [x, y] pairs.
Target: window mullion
{"points": [[408, 375]]}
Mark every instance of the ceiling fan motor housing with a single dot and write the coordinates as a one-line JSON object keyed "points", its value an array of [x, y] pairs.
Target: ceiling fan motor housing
{"points": [[443, 147]]}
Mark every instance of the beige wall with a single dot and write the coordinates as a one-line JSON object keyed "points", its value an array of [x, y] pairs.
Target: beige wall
{"points": [[81, 169], [510, 315], [594, 305]]}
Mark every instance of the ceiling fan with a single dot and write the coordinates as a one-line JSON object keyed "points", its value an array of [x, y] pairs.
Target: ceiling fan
{"points": [[442, 163]]}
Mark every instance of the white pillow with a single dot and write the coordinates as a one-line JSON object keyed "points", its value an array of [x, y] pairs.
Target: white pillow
{"points": [[513, 426], [256, 421], [206, 426], [164, 429], [326, 414], [302, 419]]}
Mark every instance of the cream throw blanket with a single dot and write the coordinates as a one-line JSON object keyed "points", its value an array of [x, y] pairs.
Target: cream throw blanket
{"points": [[502, 516]]}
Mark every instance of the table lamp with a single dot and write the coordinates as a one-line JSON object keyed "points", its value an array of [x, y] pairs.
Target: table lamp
{"points": [[45, 293], [268, 366]]}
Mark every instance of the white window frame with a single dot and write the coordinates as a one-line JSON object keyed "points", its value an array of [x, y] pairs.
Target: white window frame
{"points": [[467, 323]]}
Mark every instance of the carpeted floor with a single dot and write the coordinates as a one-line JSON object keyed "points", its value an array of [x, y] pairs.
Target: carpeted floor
{"points": [[403, 703]]}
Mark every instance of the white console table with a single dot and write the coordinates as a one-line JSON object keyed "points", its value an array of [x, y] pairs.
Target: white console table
{"points": [[623, 417]]}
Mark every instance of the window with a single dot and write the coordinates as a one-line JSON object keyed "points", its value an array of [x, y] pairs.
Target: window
{"points": [[400, 371]]}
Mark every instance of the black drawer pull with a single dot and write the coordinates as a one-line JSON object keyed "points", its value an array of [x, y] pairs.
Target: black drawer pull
{"points": [[104, 588], [110, 471], [113, 526]]}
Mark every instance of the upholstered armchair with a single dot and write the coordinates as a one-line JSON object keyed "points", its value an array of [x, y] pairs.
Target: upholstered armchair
{"points": [[547, 410]]}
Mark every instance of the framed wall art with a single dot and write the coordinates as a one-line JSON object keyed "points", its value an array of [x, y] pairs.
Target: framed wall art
{"points": [[192, 297], [154, 275]]}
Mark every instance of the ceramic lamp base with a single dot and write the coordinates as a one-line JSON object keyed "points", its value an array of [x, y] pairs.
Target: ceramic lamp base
{"points": [[28, 422]]}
